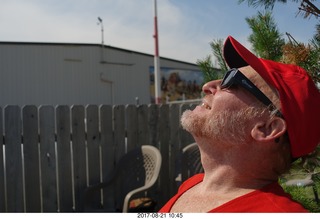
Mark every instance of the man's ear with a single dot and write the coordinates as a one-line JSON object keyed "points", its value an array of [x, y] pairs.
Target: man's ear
{"points": [[270, 130]]}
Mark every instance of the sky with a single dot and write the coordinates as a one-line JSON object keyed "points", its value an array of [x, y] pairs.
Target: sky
{"points": [[185, 27]]}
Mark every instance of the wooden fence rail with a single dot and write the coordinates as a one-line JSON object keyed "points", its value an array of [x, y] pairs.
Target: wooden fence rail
{"points": [[51, 154]]}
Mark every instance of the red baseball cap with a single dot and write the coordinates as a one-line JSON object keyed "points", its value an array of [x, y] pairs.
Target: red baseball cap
{"points": [[299, 96]]}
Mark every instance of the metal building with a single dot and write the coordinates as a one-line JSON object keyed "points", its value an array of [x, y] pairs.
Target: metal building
{"points": [[79, 74]]}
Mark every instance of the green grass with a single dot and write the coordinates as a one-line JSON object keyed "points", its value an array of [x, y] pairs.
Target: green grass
{"points": [[303, 194]]}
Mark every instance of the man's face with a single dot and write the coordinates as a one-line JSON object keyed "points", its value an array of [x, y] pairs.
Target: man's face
{"points": [[225, 115]]}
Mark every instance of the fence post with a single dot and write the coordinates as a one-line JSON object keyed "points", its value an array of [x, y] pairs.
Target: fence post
{"points": [[31, 158], [14, 172]]}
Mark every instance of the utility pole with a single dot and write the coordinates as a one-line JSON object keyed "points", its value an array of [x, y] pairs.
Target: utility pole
{"points": [[156, 58], [100, 22]]}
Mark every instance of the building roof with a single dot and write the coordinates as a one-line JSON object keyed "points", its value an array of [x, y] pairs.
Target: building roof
{"points": [[89, 44]]}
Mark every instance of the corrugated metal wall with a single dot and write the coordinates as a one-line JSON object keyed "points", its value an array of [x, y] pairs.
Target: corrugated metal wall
{"points": [[75, 74]]}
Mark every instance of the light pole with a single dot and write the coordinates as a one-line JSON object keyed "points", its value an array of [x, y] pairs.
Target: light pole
{"points": [[100, 22]]}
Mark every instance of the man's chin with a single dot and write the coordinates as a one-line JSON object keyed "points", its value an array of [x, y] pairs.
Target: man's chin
{"points": [[192, 123], [185, 120]]}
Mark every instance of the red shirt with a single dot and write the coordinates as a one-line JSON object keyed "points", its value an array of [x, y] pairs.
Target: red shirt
{"points": [[270, 198]]}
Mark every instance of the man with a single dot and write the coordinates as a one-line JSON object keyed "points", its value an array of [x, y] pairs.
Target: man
{"points": [[249, 128]]}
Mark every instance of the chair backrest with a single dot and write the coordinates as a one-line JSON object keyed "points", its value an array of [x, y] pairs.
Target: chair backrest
{"points": [[191, 161], [152, 164], [135, 172]]}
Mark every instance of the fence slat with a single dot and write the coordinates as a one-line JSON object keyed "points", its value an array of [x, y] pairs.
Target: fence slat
{"points": [[13, 154], [119, 131], [92, 116], [2, 170], [79, 154], [164, 137], [143, 133], [48, 159], [132, 127], [153, 124], [107, 151], [64, 159], [174, 146], [119, 141], [31, 158], [107, 142]]}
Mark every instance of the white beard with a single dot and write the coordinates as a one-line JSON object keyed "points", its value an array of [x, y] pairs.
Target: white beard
{"points": [[228, 126]]}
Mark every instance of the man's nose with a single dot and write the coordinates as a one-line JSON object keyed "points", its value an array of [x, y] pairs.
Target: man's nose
{"points": [[211, 87]]}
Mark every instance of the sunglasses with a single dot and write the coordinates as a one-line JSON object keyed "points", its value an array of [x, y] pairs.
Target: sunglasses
{"points": [[235, 77]]}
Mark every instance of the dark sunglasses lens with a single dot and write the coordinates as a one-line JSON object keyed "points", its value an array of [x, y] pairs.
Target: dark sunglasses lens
{"points": [[227, 80]]}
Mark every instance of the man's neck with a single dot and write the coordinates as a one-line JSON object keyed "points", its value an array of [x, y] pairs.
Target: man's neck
{"points": [[229, 169]]}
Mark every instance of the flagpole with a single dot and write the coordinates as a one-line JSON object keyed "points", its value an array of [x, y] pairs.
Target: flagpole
{"points": [[156, 58]]}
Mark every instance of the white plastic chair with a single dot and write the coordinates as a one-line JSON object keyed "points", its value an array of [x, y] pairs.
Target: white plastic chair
{"points": [[135, 172], [152, 164]]}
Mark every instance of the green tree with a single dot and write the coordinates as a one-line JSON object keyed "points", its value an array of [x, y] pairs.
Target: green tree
{"points": [[209, 71], [265, 33], [305, 55], [306, 8], [293, 52], [266, 39]]}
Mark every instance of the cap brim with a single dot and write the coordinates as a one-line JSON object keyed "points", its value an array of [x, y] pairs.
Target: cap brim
{"points": [[237, 56]]}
